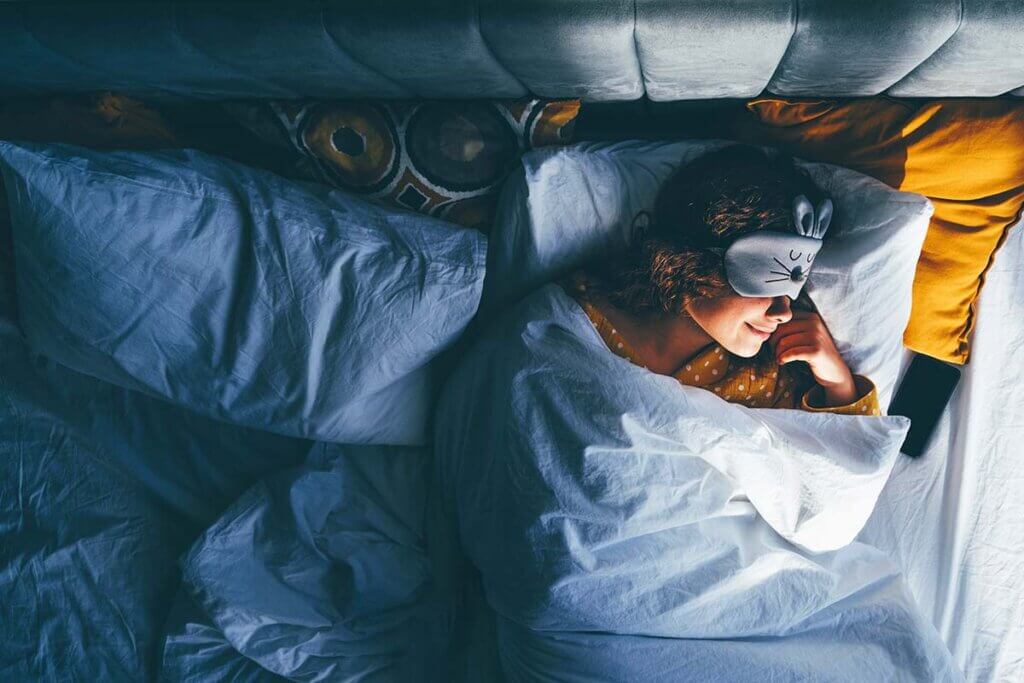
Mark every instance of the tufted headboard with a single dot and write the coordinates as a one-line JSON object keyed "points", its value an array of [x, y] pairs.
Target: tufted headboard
{"points": [[595, 49]]}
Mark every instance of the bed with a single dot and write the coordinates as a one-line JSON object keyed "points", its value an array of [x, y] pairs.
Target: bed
{"points": [[105, 490]]}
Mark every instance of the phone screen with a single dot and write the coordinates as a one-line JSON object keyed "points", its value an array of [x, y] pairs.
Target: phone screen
{"points": [[922, 396]]}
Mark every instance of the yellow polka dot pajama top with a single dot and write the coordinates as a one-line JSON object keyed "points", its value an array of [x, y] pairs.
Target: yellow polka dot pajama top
{"points": [[714, 369]]}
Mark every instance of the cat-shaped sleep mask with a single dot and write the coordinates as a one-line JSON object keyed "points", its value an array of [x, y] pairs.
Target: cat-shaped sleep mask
{"points": [[766, 263]]}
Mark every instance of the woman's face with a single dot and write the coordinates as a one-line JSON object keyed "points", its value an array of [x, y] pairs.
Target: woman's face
{"points": [[741, 324]]}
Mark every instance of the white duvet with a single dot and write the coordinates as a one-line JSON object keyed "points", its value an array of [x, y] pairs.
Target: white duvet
{"points": [[597, 498]]}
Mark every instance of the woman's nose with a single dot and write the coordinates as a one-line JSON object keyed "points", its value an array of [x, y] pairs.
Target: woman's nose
{"points": [[780, 310]]}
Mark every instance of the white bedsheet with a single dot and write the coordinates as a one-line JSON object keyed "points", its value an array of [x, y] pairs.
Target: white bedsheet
{"points": [[954, 519]]}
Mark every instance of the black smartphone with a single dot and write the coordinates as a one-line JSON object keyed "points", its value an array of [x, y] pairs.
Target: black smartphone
{"points": [[922, 396]]}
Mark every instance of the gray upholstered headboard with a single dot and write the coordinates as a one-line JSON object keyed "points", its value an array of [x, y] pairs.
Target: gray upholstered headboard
{"points": [[595, 49]]}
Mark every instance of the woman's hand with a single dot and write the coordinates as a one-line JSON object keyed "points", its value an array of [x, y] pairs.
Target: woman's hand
{"points": [[806, 338]]}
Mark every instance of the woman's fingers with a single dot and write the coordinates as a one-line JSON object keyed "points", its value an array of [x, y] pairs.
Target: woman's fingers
{"points": [[785, 333], [812, 323], [805, 323], [806, 337], [804, 353]]}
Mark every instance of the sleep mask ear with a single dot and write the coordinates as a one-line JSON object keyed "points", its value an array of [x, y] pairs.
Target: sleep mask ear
{"points": [[769, 264]]}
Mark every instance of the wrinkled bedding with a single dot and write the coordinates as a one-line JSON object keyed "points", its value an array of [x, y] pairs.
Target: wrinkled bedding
{"points": [[597, 498], [331, 570], [285, 307], [101, 489], [952, 518], [577, 519], [348, 563], [622, 527]]}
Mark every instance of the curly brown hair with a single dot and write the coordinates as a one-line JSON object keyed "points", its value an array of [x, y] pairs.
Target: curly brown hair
{"points": [[706, 204]]}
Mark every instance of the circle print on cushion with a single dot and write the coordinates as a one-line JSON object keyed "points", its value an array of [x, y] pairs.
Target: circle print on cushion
{"points": [[354, 143], [460, 146], [551, 123]]}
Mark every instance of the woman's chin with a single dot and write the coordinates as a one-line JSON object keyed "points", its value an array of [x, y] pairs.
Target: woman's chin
{"points": [[754, 346], [744, 348]]}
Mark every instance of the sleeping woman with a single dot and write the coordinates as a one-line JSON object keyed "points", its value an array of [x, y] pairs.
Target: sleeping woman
{"points": [[627, 526], [682, 303]]}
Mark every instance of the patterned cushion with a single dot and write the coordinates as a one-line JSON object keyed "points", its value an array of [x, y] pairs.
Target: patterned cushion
{"points": [[442, 158]]}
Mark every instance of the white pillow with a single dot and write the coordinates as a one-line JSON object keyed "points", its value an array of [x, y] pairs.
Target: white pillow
{"points": [[282, 306], [568, 204]]}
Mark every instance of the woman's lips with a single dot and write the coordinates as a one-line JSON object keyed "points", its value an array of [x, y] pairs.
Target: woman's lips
{"points": [[763, 334]]}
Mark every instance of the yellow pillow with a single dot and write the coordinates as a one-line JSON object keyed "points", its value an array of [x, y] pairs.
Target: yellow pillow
{"points": [[966, 156]]}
